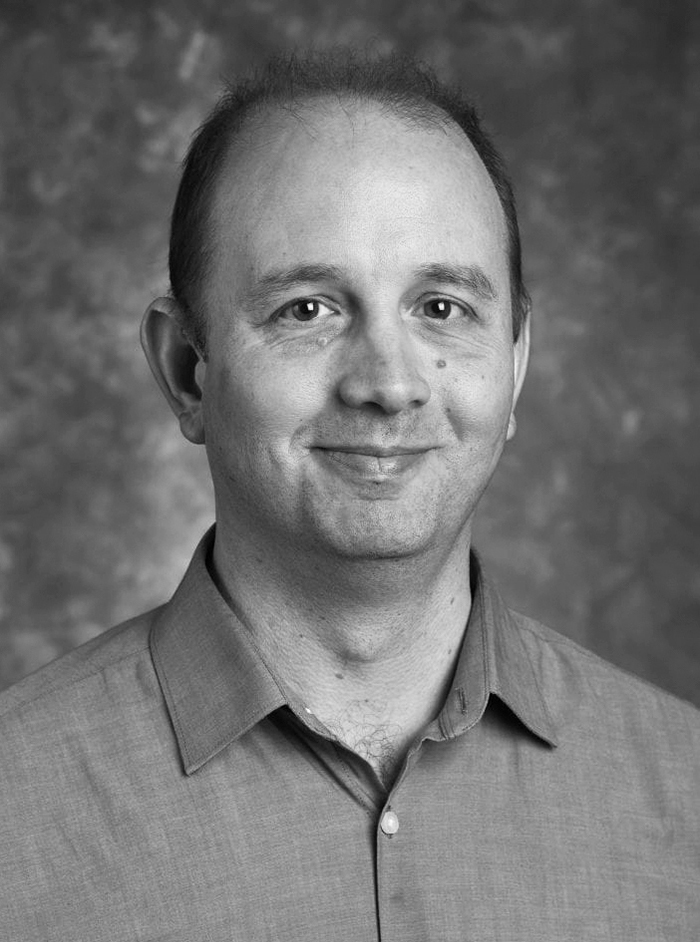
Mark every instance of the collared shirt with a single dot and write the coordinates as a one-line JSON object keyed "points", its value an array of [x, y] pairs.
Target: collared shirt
{"points": [[158, 784]]}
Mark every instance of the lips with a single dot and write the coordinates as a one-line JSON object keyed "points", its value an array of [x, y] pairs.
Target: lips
{"points": [[381, 464], [372, 461]]}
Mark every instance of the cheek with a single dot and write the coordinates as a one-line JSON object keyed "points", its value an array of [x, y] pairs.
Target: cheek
{"points": [[254, 403], [477, 399]]}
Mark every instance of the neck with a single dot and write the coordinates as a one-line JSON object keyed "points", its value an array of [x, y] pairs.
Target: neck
{"points": [[369, 646]]}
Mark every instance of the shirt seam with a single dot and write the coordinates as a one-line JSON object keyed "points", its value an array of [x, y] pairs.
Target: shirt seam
{"points": [[564, 642], [19, 705]]}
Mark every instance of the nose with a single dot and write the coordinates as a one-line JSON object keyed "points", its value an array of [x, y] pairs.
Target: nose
{"points": [[383, 369]]}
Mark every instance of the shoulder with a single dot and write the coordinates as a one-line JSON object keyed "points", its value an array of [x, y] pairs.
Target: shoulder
{"points": [[82, 742], [590, 693], [90, 716], [111, 653]]}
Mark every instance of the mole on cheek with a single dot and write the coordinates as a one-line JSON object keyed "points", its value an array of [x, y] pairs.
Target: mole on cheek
{"points": [[440, 364]]}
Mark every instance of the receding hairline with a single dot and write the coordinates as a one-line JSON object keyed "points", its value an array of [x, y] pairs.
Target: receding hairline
{"points": [[251, 134], [421, 112], [400, 86], [260, 119]]}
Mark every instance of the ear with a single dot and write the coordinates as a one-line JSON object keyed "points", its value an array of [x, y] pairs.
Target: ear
{"points": [[178, 366], [521, 355]]}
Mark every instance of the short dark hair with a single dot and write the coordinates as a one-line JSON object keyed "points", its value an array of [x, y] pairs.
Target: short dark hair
{"points": [[397, 83]]}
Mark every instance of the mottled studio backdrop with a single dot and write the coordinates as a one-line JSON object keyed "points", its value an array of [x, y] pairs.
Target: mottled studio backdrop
{"points": [[593, 520]]}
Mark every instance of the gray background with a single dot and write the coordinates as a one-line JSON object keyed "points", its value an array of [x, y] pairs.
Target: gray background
{"points": [[592, 522]]}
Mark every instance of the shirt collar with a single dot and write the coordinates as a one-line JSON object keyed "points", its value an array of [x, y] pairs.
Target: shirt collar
{"points": [[495, 661], [216, 685], [214, 681]]}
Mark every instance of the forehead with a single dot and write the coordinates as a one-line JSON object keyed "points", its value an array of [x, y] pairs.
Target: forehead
{"points": [[331, 175]]}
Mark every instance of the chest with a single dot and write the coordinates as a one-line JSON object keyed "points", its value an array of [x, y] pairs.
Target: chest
{"points": [[481, 839]]}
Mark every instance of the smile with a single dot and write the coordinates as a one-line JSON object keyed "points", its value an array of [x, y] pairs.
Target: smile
{"points": [[373, 463]]}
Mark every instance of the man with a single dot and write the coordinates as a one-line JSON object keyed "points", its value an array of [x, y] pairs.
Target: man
{"points": [[306, 743]]}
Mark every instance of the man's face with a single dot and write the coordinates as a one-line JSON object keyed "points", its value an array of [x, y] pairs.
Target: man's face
{"points": [[360, 375]]}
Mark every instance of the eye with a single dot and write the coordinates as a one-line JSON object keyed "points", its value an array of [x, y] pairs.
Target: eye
{"points": [[303, 310], [442, 309]]}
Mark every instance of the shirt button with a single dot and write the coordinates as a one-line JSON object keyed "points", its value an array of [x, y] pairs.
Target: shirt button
{"points": [[389, 823]]}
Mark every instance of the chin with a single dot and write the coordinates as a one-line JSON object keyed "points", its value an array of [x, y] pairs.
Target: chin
{"points": [[377, 536], [377, 549]]}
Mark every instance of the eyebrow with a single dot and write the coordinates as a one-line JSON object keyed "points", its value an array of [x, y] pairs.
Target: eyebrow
{"points": [[471, 278], [277, 281], [467, 277]]}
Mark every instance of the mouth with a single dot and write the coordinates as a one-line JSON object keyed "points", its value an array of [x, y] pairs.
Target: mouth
{"points": [[372, 462]]}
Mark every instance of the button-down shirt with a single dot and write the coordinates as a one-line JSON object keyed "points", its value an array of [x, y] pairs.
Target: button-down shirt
{"points": [[158, 784]]}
